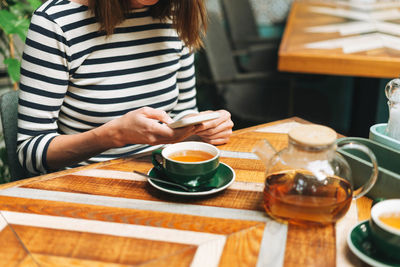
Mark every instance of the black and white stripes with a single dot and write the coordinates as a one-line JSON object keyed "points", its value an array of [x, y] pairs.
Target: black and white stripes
{"points": [[75, 78]]}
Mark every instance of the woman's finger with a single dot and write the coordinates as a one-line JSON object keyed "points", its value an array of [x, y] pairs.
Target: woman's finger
{"points": [[226, 125], [221, 135], [224, 116], [219, 141]]}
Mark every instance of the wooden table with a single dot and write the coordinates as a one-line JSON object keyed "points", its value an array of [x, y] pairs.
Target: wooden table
{"points": [[104, 215], [299, 51], [295, 56]]}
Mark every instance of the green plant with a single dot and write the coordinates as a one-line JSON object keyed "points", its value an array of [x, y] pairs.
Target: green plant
{"points": [[14, 22], [15, 18]]}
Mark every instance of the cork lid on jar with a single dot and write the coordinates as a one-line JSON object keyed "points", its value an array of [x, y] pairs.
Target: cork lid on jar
{"points": [[313, 135]]}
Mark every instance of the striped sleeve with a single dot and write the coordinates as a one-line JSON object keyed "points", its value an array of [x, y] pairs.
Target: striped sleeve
{"points": [[44, 82], [186, 83]]}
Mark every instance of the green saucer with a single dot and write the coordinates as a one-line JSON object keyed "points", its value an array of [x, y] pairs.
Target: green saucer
{"points": [[223, 178], [360, 243]]}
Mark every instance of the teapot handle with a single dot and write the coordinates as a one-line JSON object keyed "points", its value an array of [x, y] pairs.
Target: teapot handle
{"points": [[362, 190]]}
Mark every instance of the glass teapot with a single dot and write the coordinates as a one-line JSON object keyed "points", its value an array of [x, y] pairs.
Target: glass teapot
{"points": [[392, 91], [309, 182]]}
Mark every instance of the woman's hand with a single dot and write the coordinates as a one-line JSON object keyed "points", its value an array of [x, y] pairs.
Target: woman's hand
{"points": [[142, 126], [217, 131]]}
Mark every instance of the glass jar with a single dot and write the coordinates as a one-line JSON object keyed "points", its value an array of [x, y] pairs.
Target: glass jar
{"points": [[309, 181], [392, 91]]}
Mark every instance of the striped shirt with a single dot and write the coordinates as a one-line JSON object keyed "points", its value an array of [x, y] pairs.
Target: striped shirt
{"points": [[74, 78]]}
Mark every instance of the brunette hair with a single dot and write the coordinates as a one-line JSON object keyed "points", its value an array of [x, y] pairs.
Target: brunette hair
{"points": [[189, 17]]}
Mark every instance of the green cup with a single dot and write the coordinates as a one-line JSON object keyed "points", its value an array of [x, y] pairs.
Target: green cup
{"points": [[385, 236], [176, 162]]}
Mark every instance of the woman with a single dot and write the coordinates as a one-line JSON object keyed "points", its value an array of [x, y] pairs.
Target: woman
{"points": [[100, 79]]}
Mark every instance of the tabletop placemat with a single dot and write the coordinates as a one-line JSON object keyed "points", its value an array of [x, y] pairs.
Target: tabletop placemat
{"points": [[74, 217], [206, 220]]}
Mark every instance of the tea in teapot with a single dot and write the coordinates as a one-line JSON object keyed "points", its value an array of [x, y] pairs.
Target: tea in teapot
{"points": [[298, 195], [309, 182]]}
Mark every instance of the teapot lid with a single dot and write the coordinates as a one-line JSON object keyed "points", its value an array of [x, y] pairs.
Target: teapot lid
{"points": [[313, 135]]}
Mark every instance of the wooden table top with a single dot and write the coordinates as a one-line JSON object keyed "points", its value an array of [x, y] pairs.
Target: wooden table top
{"points": [[379, 26], [105, 215]]}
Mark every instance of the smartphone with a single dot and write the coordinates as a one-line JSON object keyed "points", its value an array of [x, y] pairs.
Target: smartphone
{"points": [[194, 120]]}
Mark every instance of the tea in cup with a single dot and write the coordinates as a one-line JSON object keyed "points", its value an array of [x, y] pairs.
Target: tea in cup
{"points": [[187, 163], [385, 227]]}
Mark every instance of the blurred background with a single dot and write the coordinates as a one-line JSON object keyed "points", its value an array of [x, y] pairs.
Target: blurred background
{"points": [[324, 99], [236, 70]]}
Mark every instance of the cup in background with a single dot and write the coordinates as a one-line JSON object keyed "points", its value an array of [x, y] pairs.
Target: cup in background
{"points": [[386, 237], [193, 173]]}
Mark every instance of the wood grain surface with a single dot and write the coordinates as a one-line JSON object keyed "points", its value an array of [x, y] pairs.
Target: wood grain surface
{"points": [[105, 215], [295, 57]]}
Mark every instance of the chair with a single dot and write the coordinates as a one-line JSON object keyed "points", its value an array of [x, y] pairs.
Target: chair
{"points": [[254, 96], [254, 52], [242, 25], [9, 117], [310, 97]]}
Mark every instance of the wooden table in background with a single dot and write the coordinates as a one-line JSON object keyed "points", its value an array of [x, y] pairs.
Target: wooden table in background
{"points": [[104, 215], [295, 57], [366, 66]]}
